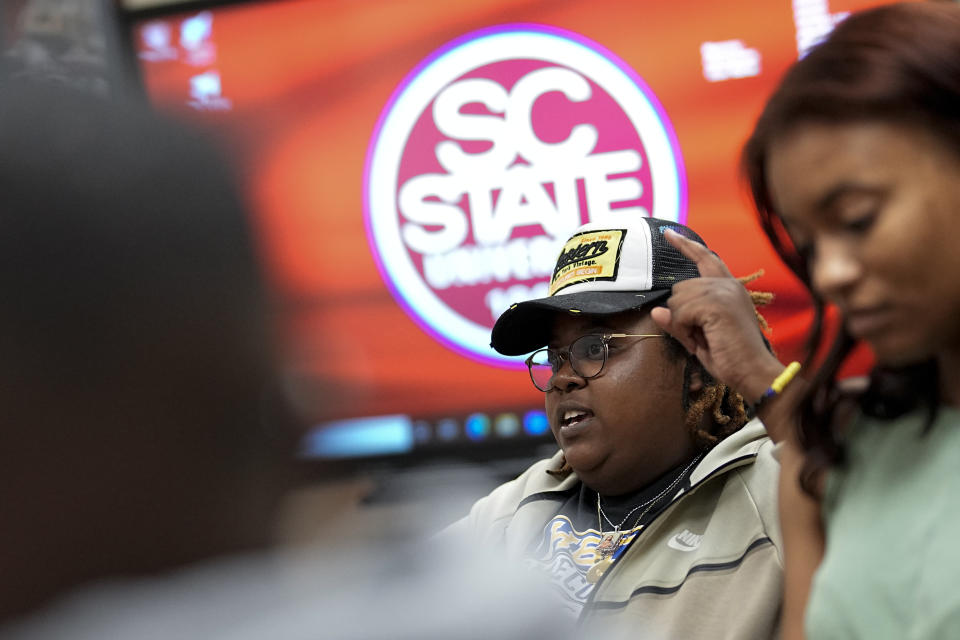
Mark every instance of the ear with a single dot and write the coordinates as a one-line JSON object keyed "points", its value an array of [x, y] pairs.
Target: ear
{"points": [[695, 376], [694, 382]]}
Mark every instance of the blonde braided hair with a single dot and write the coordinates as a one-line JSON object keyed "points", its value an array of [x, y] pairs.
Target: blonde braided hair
{"points": [[726, 407]]}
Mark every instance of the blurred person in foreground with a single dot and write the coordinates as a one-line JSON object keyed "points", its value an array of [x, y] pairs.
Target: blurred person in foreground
{"points": [[854, 166], [142, 451], [657, 516], [135, 352]]}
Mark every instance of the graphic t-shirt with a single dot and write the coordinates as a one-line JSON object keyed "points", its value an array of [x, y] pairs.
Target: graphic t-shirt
{"points": [[567, 547]]}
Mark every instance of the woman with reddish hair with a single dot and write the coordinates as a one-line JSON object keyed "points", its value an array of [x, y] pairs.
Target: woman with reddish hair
{"points": [[854, 166]]}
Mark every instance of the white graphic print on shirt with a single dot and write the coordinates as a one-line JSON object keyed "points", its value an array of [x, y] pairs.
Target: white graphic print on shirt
{"points": [[567, 555]]}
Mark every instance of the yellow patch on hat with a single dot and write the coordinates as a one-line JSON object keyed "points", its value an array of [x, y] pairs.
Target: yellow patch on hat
{"points": [[587, 257]]}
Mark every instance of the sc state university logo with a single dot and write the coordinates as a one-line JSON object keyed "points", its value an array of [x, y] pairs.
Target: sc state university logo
{"points": [[490, 154]]}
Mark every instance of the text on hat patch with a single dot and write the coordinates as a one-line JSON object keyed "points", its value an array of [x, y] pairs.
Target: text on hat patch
{"points": [[588, 256]]}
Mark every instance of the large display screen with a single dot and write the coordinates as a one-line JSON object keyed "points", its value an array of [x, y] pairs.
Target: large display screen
{"points": [[415, 165]]}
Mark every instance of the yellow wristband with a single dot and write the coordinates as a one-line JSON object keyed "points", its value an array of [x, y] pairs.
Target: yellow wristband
{"points": [[783, 379]]}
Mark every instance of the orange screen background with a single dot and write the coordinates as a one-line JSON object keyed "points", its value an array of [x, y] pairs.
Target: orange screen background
{"points": [[308, 82]]}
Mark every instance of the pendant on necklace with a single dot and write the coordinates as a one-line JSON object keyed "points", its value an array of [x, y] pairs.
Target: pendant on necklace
{"points": [[604, 555], [608, 543]]}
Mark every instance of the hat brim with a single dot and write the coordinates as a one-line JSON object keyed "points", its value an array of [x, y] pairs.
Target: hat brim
{"points": [[527, 326]]}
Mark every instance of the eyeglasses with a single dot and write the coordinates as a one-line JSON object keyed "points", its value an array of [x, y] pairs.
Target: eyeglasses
{"points": [[587, 355]]}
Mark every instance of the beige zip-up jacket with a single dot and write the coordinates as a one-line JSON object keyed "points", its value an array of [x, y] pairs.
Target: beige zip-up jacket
{"points": [[708, 566]]}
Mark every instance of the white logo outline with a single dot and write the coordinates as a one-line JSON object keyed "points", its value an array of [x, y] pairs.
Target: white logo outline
{"points": [[414, 95]]}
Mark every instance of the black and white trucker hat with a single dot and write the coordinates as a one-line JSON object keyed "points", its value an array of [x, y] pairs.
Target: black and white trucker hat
{"points": [[602, 269]]}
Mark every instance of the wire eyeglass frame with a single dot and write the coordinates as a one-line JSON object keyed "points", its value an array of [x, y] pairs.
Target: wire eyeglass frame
{"points": [[568, 354]]}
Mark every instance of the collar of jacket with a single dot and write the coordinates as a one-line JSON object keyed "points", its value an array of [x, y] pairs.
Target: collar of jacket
{"points": [[542, 489], [736, 449]]}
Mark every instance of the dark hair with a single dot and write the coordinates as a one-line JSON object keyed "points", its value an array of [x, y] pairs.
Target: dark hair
{"points": [[136, 347], [898, 64]]}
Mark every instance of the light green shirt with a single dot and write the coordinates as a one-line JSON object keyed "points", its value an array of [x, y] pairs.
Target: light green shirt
{"points": [[892, 517]]}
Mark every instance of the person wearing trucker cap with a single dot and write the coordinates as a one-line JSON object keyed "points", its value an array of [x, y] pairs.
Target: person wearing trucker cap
{"points": [[658, 514]]}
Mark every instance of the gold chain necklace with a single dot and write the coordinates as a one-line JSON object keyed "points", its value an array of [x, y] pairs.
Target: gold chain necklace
{"points": [[610, 542]]}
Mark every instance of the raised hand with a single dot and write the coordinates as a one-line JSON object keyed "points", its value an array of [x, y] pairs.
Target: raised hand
{"points": [[714, 318]]}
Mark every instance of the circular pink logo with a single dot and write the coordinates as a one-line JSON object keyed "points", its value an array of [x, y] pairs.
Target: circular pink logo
{"points": [[490, 154]]}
